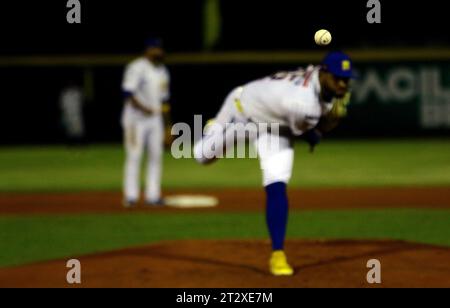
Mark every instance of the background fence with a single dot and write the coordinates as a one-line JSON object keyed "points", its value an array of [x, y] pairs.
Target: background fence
{"points": [[399, 92]]}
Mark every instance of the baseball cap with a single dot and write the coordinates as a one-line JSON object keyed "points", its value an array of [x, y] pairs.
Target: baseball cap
{"points": [[153, 42], [338, 64]]}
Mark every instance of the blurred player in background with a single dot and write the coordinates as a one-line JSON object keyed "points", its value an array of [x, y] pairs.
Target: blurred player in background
{"points": [[71, 102], [304, 103], [146, 90]]}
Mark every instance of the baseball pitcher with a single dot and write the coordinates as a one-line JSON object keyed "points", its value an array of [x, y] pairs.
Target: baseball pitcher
{"points": [[146, 90], [306, 103]]}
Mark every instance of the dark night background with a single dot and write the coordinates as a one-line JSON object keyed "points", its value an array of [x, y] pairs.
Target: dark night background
{"points": [[29, 95], [120, 26]]}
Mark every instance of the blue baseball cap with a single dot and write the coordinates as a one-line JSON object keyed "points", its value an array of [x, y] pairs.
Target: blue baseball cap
{"points": [[153, 42], [339, 64]]}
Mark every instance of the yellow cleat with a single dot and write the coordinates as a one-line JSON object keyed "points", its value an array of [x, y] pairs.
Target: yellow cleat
{"points": [[279, 265]]}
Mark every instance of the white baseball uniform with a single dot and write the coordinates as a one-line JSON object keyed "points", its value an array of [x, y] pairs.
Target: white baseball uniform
{"points": [[290, 99], [149, 84]]}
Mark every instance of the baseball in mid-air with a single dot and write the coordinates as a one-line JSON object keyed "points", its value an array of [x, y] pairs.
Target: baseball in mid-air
{"points": [[322, 37]]}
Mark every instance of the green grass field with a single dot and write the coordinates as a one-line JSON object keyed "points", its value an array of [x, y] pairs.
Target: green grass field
{"points": [[28, 239], [335, 164]]}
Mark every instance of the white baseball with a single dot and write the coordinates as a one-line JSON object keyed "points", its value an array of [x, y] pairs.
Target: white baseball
{"points": [[322, 37]]}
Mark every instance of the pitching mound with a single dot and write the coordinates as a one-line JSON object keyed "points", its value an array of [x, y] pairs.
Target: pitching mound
{"points": [[244, 264]]}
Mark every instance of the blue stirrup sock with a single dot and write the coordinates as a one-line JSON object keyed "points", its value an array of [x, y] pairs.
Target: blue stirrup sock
{"points": [[277, 213]]}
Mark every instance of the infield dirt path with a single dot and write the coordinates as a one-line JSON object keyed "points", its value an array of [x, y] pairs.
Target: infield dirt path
{"points": [[233, 200]]}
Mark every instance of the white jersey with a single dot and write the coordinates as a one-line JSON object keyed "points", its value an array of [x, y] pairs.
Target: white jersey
{"points": [[148, 83], [290, 99]]}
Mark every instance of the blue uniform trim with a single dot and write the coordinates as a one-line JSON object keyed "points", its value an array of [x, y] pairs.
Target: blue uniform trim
{"points": [[277, 211], [153, 42], [127, 94]]}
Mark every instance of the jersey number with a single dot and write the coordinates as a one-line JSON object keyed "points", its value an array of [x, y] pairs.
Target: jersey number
{"points": [[291, 76], [298, 77]]}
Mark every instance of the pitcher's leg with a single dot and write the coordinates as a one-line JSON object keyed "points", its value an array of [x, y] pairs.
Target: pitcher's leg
{"points": [[277, 210], [216, 135], [276, 164]]}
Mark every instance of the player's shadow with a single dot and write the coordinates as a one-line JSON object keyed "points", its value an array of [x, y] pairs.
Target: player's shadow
{"points": [[366, 255], [203, 261], [336, 260]]}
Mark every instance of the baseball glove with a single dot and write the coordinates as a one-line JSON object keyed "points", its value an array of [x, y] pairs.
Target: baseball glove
{"points": [[339, 109], [168, 138]]}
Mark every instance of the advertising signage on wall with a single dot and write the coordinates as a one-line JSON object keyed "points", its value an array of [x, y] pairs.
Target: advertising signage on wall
{"points": [[416, 95]]}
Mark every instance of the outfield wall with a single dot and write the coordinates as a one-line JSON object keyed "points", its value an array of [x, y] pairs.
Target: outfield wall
{"points": [[400, 92]]}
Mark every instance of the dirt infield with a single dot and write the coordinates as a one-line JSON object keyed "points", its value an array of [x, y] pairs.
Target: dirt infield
{"points": [[233, 200], [243, 264], [225, 263]]}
